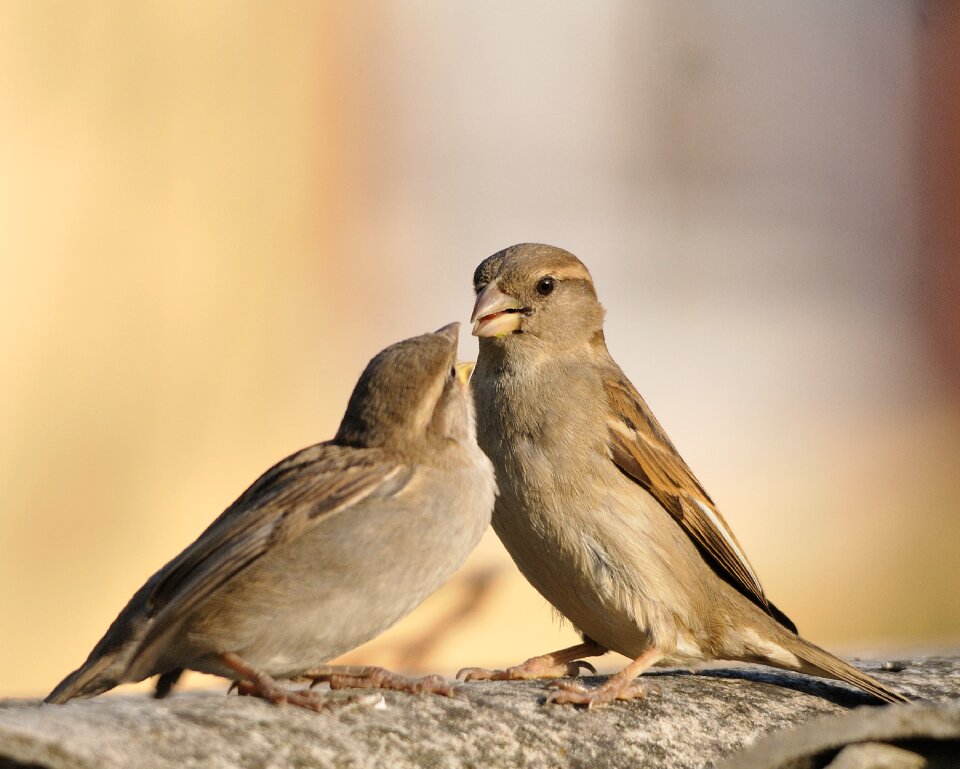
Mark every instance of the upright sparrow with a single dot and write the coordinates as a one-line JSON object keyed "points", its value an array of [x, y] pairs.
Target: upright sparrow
{"points": [[324, 551], [597, 508]]}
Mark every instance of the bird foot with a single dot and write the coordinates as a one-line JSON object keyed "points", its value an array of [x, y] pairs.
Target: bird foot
{"points": [[614, 688], [269, 690], [380, 678], [532, 669], [253, 683]]}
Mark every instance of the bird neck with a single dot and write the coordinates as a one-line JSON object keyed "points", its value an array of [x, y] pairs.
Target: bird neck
{"points": [[530, 353]]}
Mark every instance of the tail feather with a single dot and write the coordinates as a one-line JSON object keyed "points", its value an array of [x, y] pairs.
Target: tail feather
{"points": [[92, 678], [821, 663], [111, 662]]}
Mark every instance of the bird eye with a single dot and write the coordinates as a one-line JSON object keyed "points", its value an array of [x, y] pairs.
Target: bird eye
{"points": [[453, 372], [545, 285]]}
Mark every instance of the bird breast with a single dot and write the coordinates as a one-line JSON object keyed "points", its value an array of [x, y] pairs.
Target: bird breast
{"points": [[595, 544]]}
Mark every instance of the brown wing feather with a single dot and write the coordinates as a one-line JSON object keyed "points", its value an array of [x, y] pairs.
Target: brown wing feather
{"points": [[641, 449], [283, 503]]}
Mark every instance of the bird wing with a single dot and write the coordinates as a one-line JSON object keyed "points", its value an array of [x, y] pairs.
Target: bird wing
{"points": [[282, 504], [641, 450]]}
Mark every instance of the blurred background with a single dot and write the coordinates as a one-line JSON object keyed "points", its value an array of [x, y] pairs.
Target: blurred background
{"points": [[212, 215]]}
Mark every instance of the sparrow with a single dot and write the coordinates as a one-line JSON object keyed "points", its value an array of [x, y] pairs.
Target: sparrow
{"points": [[596, 506], [326, 550]]}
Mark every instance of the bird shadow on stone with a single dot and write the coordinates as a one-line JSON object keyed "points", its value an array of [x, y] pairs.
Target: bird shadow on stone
{"points": [[774, 683], [837, 694]]}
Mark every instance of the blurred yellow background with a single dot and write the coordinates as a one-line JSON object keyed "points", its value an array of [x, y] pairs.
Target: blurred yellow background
{"points": [[212, 215]]}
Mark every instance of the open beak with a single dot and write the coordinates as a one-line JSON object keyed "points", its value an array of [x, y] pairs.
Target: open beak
{"points": [[495, 313], [464, 370], [451, 331]]}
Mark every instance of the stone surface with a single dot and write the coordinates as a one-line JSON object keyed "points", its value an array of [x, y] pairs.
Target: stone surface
{"points": [[899, 737], [877, 755], [695, 721]]}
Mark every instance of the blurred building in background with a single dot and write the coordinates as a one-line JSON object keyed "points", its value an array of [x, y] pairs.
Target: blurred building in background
{"points": [[212, 216]]}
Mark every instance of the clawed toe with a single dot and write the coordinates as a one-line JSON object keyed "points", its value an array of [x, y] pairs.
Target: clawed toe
{"points": [[303, 698], [379, 678], [278, 696], [566, 686], [516, 673], [581, 696], [432, 684], [573, 668], [571, 693], [620, 686], [253, 683], [528, 671], [558, 664], [561, 697], [568, 697], [483, 674]]}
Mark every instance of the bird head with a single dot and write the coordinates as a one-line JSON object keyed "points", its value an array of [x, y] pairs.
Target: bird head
{"points": [[411, 394], [533, 293]]}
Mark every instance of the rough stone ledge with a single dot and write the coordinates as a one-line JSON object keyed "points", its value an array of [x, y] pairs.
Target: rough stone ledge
{"points": [[696, 721]]}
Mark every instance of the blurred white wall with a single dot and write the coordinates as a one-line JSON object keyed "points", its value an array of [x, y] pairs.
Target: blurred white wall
{"points": [[210, 218]]}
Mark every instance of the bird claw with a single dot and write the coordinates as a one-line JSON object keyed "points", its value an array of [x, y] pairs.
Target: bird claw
{"points": [[567, 686], [480, 674], [571, 693], [564, 697], [577, 664], [300, 698], [379, 678], [530, 670], [307, 699], [253, 683]]}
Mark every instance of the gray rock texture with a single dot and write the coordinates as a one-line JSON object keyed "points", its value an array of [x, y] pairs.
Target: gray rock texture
{"points": [[902, 737], [695, 721]]}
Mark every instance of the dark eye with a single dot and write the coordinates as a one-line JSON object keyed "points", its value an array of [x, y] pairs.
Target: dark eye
{"points": [[545, 285], [453, 372]]}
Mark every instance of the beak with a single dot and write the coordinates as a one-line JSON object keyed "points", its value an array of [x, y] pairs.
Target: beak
{"points": [[495, 313], [464, 370], [451, 331]]}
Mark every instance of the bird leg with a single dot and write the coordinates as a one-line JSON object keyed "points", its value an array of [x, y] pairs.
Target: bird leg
{"points": [[619, 686], [166, 682], [565, 662], [364, 677], [253, 683]]}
